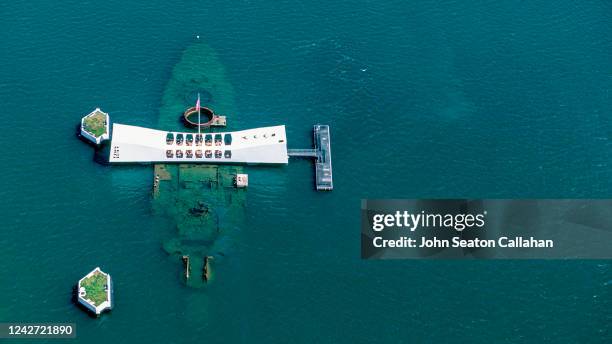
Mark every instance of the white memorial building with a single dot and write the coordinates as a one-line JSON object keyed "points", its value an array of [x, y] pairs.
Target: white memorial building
{"points": [[133, 144]]}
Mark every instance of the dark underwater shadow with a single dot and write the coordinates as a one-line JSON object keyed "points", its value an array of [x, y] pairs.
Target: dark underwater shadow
{"points": [[101, 152]]}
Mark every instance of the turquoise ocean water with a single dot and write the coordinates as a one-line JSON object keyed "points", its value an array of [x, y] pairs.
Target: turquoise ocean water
{"points": [[425, 99]]}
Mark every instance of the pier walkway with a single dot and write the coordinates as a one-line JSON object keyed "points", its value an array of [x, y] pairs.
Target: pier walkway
{"points": [[303, 153], [322, 155]]}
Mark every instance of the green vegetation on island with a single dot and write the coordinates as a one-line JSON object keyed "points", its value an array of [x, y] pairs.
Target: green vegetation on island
{"points": [[95, 288], [95, 123]]}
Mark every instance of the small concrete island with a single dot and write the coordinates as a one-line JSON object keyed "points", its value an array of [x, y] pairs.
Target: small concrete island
{"points": [[94, 126], [95, 291]]}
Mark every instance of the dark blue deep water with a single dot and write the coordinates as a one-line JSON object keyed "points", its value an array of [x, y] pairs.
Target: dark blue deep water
{"points": [[425, 99]]}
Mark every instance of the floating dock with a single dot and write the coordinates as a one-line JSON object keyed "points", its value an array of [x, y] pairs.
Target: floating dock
{"points": [[322, 155]]}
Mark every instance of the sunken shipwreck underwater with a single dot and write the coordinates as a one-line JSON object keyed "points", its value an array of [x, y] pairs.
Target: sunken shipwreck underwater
{"points": [[199, 181], [200, 201]]}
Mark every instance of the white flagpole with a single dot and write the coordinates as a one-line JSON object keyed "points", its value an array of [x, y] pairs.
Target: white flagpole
{"points": [[199, 106]]}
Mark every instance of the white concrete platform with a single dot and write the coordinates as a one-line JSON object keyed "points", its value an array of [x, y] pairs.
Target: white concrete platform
{"points": [[91, 305], [133, 144], [90, 136]]}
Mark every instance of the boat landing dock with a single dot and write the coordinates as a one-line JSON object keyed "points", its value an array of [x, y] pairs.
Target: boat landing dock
{"points": [[322, 153]]}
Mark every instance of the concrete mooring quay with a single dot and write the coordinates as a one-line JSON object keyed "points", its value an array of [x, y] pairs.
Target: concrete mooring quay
{"points": [[322, 154]]}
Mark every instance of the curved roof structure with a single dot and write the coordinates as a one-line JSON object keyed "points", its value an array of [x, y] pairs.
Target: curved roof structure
{"points": [[133, 144]]}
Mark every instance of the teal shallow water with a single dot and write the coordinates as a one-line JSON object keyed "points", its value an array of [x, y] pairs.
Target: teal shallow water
{"points": [[425, 99]]}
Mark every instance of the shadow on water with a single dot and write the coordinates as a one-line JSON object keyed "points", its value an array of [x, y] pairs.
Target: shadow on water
{"points": [[101, 152]]}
